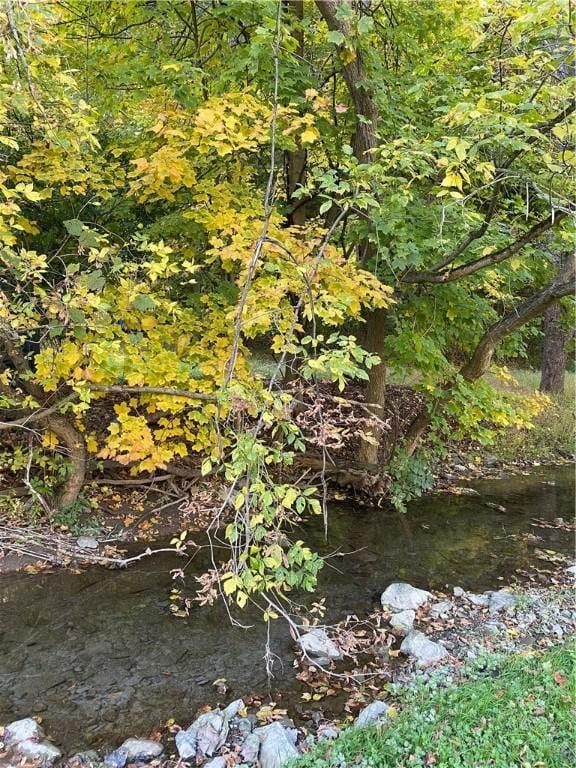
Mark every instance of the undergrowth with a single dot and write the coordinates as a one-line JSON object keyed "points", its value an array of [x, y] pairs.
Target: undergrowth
{"points": [[514, 712]]}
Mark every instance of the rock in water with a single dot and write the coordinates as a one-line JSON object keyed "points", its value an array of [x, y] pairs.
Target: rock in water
{"points": [[403, 621], [373, 713], [501, 600], [276, 749], [425, 651], [22, 730], [142, 750], [404, 597], [319, 646]]}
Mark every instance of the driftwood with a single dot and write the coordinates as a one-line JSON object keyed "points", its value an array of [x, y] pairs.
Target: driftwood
{"points": [[61, 549]]}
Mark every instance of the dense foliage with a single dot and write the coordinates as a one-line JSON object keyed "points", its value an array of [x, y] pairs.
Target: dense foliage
{"points": [[352, 186]]}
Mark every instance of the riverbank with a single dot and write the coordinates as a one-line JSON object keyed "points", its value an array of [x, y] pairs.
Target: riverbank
{"points": [[438, 656], [509, 710], [123, 511]]}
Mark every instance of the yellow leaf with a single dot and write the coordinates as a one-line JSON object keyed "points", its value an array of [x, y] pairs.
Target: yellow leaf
{"points": [[309, 135]]}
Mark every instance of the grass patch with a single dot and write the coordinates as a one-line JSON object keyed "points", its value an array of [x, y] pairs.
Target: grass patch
{"points": [[554, 430], [516, 713]]}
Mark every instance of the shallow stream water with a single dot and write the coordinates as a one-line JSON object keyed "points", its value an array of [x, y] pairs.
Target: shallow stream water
{"points": [[99, 656]]}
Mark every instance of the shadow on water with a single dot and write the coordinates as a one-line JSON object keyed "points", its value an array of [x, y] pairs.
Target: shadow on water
{"points": [[100, 657]]}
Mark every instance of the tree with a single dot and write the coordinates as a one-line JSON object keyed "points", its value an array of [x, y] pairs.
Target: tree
{"points": [[360, 187], [554, 351]]}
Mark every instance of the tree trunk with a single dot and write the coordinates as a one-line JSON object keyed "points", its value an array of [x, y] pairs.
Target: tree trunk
{"points": [[364, 142], [295, 168], [376, 387], [534, 306], [70, 437], [554, 352]]}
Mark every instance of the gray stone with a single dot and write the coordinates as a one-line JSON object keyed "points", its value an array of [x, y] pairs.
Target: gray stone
{"points": [[425, 651], [571, 569], [251, 748], [43, 752], [403, 597], [186, 744], [376, 712], [116, 759], [501, 600], [217, 762], [403, 621], [276, 747], [458, 592], [142, 750], [328, 732], [557, 630], [244, 726], [205, 736], [22, 730], [87, 542], [319, 646], [233, 708], [442, 608], [481, 601]]}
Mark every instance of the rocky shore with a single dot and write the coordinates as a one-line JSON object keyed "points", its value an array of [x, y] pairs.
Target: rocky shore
{"points": [[427, 635]]}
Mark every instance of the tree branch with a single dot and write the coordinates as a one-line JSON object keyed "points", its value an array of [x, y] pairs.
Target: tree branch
{"points": [[449, 276], [144, 390]]}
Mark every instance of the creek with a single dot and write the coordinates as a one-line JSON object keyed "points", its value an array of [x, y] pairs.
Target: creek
{"points": [[99, 656]]}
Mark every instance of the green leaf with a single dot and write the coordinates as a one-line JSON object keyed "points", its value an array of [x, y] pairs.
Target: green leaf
{"points": [[366, 24], [74, 227], [336, 37], [143, 303]]}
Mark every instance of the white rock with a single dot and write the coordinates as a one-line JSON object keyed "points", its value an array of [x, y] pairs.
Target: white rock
{"points": [[318, 645], [501, 600], [482, 601], [217, 762], [142, 750], [22, 730], [425, 651], [403, 621], [42, 751], [250, 748], [571, 569], [186, 744], [87, 542], [403, 597], [277, 749], [376, 712], [458, 592], [233, 708]]}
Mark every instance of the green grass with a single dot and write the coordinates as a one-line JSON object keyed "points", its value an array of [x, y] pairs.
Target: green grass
{"points": [[516, 713], [554, 429]]}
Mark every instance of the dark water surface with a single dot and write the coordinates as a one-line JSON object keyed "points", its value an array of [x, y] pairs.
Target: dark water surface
{"points": [[100, 657]]}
